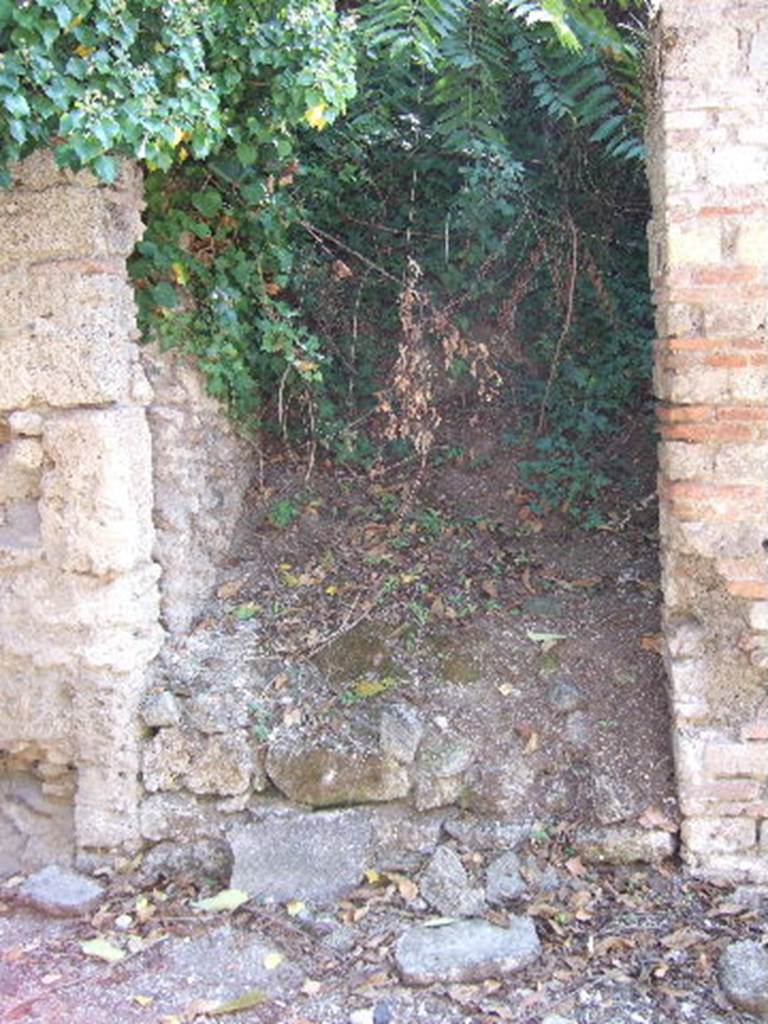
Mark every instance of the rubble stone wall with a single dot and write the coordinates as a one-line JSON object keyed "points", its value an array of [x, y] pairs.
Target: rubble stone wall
{"points": [[708, 137], [105, 485]]}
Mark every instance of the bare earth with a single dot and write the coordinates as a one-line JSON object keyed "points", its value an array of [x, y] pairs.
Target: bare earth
{"points": [[542, 642]]}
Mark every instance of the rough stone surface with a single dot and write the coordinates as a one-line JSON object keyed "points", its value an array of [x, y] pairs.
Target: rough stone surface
{"points": [[199, 861], [466, 951], [301, 855], [743, 973], [78, 599], [332, 775], [160, 709], [36, 824], [445, 885], [487, 834], [201, 472], [625, 844], [60, 892], [565, 695], [224, 765], [503, 879], [401, 731], [707, 128]]}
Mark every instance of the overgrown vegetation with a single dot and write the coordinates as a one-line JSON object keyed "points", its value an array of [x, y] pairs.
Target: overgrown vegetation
{"points": [[471, 227]]}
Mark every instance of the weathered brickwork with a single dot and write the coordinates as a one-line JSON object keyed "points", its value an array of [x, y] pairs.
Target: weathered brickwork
{"points": [[107, 483], [708, 137], [78, 587]]}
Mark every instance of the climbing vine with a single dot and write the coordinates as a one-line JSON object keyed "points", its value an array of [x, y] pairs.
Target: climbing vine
{"points": [[481, 144]]}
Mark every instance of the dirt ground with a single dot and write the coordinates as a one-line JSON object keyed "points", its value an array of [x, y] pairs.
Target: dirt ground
{"points": [[542, 640]]}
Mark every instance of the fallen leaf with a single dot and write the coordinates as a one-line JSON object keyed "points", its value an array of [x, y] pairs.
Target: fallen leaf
{"points": [[292, 716], [682, 938], [507, 689], [144, 1000], [295, 907], [227, 899], [652, 642], [372, 876], [311, 987], [653, 817], [230, 589], [533, 744], [575, 866], [272, 961], [103, 949], [547, 640], [247, 611]]}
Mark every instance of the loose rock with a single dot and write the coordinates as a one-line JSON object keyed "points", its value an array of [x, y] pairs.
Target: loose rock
{"points": [[564, 695], [161, 709], [329, 776], [60, 892], [301, 855], [466, 951], [625, 844], [503, 880], [445, 885], [401, 730], [743, 972], [199, 861]]}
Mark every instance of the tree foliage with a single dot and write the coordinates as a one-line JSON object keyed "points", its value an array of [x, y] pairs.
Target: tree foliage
{"points": [[477, 212]]}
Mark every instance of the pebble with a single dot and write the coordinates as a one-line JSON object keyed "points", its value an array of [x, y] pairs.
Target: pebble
{"points": [[743, 972], [466, 951], [60, 892]]}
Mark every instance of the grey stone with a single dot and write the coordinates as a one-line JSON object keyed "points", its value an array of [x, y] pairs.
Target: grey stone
{"points": [[564, 695], [327, 775], [577, 730], [446, 755], [743, 973], [60, 892], [36, 826], [613, 800], [167, 759], [466, 951], [218, 711], [175, 816], [625, 844], [161, 709], [503, 879], [431, 792], [400, 733], [483, 834], [446, 887], [301, 855], [402, 838], [546, 605], [199, 861]]}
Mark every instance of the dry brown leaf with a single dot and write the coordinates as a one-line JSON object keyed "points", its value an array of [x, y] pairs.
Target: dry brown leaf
{"points": [[575, 866], [533, 744], [682, 938], [653, 817], [230, 589], [490, 588], [652, 642]]}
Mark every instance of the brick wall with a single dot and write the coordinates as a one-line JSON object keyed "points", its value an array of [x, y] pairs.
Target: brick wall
{"points": [[708, 136]]}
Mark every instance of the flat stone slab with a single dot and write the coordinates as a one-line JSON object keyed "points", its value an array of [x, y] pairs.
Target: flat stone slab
{"points": [[466, 951], [316, 856], [60, 892]]}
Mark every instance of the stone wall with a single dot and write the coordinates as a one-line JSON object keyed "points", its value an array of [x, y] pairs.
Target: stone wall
{"points": [[88, 456], [709, 260], [201, 470]]}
